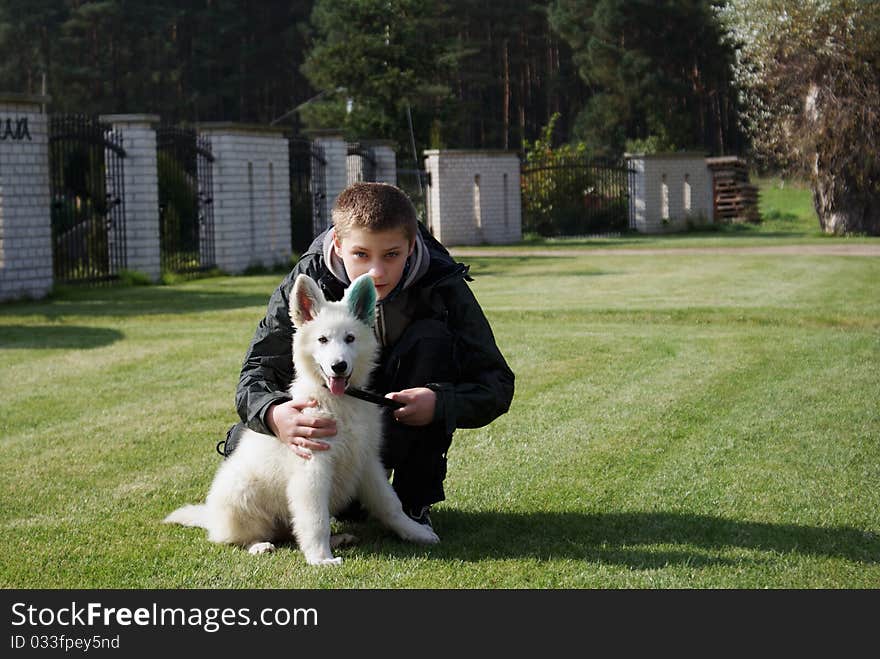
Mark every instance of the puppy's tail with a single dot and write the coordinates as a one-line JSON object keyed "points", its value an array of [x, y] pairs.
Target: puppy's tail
{"points": [[189, 516]]}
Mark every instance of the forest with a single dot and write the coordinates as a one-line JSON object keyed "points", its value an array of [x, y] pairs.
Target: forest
{"points": [[463, 73]]}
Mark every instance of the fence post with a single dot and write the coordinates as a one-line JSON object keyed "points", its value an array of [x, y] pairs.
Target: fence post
{"points": [[251, 195], [386, 160], [25, 212], [658, 202], [141, 184], [474, 196], [335, 171]]}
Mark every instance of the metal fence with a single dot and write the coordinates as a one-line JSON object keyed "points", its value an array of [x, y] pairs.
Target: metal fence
{"points": [[86, 172], [573, 196], [186, 211], [307, 192]]}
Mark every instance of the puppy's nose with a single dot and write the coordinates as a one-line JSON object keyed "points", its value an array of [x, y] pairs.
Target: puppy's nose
{"points": [[339, 368]]}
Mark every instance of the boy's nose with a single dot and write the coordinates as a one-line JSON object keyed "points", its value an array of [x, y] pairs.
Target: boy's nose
{"points": [[375, 273]]}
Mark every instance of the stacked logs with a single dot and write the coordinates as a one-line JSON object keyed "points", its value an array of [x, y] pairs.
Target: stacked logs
{"points": [[736, 200]]}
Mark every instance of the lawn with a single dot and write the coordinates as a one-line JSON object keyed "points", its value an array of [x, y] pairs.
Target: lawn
{"points": [[707, 421]]}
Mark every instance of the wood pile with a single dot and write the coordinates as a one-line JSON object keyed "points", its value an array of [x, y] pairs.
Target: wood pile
{"points": [[736, 200]]}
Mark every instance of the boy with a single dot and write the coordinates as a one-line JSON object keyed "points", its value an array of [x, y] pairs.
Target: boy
{"points": [[438, 356]]}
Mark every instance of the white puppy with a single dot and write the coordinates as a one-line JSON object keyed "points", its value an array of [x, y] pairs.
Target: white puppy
{"points": [[263, 490]]}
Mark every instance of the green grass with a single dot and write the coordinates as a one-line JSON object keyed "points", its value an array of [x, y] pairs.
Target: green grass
{"points": [[786, 207], [698, 421]]}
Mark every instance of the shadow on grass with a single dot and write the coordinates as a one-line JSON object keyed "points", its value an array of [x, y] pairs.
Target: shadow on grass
{"points": [[69, 337], [641, 539]]}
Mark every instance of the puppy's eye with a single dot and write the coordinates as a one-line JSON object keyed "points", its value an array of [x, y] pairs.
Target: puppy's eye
{"points": [[322, 339], [349, 338]]}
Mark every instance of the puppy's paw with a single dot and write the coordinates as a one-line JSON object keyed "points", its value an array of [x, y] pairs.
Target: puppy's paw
{"points": [[325, 561], [261, 548], [428, 538], [421, 534]]}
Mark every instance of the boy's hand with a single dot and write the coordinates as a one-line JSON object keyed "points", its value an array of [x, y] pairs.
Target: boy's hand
{"points": [[419, 404], [299, 431]]}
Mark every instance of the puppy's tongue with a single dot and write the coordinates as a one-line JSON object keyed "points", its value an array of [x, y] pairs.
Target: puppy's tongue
{"points": [[337, 386]]}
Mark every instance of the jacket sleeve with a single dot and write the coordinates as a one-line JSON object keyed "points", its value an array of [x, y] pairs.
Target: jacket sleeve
{"points": [[484, 389], [267, 370]]}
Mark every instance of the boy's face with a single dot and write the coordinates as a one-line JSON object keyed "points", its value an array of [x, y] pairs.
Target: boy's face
{"points": [[382, 254]]}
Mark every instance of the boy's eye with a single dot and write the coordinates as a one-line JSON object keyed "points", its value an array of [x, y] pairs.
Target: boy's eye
{"points": [[392, 255], [322, 339], [349, 338], [361, 255]]}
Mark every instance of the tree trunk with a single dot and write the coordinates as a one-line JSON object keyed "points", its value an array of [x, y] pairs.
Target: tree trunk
{"points": [[842, 207]]}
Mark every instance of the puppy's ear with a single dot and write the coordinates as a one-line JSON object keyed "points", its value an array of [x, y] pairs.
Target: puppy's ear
{"points": [[306, 300], [361, 299]]}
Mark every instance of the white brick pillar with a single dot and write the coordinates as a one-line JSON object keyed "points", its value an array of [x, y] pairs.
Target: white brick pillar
{"points": [[669, 191], [25, 213], [251, 193], [335, 169], [386, 160], [474, 196], [141, 183]]}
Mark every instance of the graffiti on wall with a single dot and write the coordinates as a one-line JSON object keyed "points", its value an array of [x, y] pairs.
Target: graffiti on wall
{"points": [[14, 129]]}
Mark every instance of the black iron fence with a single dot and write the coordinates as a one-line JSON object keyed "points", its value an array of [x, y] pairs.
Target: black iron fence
{"points": [[186, 211], [307, 192], [572, 196], [88, 209]]}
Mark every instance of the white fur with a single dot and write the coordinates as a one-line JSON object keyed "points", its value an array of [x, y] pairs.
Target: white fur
{"points": [[264, 490]]}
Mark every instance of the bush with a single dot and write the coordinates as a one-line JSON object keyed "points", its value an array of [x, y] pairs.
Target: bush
{"points": [[564, 192]]}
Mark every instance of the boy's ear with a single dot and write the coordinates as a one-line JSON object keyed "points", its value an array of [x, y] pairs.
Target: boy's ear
{"points": [[361, 299], [306, 300]]}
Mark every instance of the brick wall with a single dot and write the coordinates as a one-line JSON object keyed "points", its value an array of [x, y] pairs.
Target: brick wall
{"points": [[141, 185], [251, 181], [25, 214], [250, 192], [474, 197]]}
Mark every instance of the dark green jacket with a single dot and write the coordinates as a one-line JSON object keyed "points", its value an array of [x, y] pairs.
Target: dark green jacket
{"points": [[480, 391]]}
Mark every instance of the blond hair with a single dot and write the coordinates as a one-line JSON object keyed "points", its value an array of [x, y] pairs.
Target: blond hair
{"points": [[374, 207]]}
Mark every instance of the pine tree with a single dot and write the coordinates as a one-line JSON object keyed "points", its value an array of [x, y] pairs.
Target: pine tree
{"points": [[656, 71], [28, 49], [383, 56]]}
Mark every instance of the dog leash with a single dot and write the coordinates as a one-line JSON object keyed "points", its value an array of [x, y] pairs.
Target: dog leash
{"points": [[374, 398]]}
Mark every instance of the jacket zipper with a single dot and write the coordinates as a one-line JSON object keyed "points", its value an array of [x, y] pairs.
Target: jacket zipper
{"points": [[380, 325]]}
